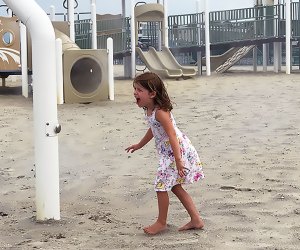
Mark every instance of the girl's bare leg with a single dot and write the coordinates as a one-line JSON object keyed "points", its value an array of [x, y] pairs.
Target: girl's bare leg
{"points": [[186, 200], [161, 222]]}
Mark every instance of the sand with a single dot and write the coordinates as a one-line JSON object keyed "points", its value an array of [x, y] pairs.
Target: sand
{"points": [[245, 126]]}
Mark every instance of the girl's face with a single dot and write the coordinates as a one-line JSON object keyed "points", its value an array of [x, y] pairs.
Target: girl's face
{"points": [[144, 98]]}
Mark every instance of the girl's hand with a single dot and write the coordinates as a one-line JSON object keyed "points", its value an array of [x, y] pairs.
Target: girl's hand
{"points": [[180, 168], [132, 148]]}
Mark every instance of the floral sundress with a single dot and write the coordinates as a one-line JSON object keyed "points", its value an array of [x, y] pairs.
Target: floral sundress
{"points": [[167, 175]]}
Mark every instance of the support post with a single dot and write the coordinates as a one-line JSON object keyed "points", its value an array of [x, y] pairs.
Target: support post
{"points": [[199, 9], [288, 37], [111, 84], [132, 32], [126, 61], [46, 125], [276, 50], [265, 47], [166, 28], [265, 57], [127, 66], [123, 9], [24, 65], [255, 59], [94, 24], [207, 40], [71, 7]]}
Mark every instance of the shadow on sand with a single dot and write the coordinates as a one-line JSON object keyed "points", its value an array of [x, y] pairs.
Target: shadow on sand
{"points": [[10, 90]]}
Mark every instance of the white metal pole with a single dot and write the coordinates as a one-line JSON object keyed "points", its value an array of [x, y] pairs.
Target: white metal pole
{"points": [[276, 56], [44, 106], [71, 7], [59, 72], [52, 13], [123, 9], [166, 28], [94, 24], [199, 9], [254, 53], [288, 36], [132, 32], [276, 44], [265, 47], [255, 59], [280, 56], [24, 65], [160, 31], [126, 58], [265, 57], [111, 84], [159, 36], [207, 40]]}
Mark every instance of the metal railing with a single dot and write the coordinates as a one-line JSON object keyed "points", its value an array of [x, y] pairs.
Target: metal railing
{"points": [[83, 33], [189, 30], [117, 29], [111, 25], [77, 15], [120, 42]]}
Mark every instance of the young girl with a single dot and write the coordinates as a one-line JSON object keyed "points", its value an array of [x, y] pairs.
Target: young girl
{"points": [[178, 160]]}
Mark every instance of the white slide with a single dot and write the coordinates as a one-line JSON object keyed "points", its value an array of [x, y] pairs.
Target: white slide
{"points": [[167, 59], [164, 63]]}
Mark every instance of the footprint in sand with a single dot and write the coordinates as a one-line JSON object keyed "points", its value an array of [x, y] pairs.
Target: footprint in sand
{"points": [[230, 188]]}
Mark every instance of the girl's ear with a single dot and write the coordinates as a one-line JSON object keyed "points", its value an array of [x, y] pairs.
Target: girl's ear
{"points": [[152, 94]]}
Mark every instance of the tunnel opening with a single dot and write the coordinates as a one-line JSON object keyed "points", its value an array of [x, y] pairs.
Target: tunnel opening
{"points": [[86, 75]]}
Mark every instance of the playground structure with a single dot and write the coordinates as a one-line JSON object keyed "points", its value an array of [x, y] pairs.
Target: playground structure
{"points": [[160, 61], [260, 29], [9, 48], [85, 71]]}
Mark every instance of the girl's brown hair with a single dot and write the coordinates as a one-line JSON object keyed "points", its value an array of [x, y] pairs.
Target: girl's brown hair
{"points": [[152, 82]]}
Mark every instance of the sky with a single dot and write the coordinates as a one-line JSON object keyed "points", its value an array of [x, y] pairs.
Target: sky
{"points": [[175, 7]]}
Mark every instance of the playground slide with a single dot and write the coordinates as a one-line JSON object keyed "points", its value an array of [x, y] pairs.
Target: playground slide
{"points": [[169, 61], [217, 60], [164, 64], [155, 65], [67, 43], [238, 55]]}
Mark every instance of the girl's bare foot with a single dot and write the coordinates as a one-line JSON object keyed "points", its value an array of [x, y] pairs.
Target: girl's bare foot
{"points": [[155, 228], [192, 225]]}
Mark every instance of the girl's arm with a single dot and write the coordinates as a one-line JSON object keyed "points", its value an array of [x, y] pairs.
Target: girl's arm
{"points": [[147, 137], [165, 120]]}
